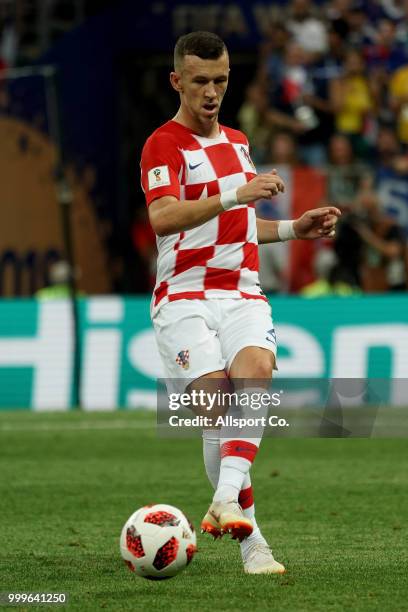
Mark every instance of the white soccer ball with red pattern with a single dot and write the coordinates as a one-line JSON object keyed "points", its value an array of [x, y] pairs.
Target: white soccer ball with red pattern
{"points": [[158, 542]]}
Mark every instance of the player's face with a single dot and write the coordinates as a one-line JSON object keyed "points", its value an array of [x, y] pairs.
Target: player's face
{"points": [[202, 85]]}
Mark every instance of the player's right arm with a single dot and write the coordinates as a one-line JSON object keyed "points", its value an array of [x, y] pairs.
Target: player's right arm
{"points": [[169, 215]]}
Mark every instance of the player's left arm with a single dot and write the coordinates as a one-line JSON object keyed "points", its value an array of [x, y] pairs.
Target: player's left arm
{"points": [[314, 223]]}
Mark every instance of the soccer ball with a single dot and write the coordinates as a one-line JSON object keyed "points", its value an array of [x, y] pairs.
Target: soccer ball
{"points": [[157, 542]]}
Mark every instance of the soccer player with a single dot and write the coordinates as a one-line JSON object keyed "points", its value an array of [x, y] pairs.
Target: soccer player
{"points": [[212, 322]]}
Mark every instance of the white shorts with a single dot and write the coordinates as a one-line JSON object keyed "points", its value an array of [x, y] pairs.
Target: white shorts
{"points": [[196, 337]]}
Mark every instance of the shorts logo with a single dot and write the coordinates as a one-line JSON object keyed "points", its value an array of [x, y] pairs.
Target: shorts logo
{"points": [[183, 359], [158, 177], [271, 336]]}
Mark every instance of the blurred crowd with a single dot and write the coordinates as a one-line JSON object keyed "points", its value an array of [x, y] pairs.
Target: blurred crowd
{"points": [[331, 92]]}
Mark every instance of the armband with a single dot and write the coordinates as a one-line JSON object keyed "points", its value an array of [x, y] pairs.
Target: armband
{"points": [[228, 199], [286, 231]]}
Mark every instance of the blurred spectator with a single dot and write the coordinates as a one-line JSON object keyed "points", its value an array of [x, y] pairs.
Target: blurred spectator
{"points": [[289, 109], [338, 10], [308, 31], [391, 176], [283, 150], [386, 52], [59, 283], [323, 70], [394, 9], [8, 36], [251, 121], [353, 102], [344, 172], [273, 270], [384, 56], [399, 100], [287, 92], [329, 278], [384, 250], [360, 26], [387, 148], [348, 248], [272, 52]]}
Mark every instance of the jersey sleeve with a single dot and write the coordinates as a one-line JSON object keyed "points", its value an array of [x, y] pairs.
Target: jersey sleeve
{"points": [[161, 167]]}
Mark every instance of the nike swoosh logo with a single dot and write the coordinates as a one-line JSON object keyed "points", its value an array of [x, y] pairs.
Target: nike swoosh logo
{"points": [[240, 449], [194, 167]]}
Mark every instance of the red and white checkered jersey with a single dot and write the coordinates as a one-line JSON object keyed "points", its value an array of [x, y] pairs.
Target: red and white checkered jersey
{"points": [[218, 259]]}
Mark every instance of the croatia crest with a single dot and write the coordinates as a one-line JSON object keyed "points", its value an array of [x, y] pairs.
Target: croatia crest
{"points": [[183, 359]]}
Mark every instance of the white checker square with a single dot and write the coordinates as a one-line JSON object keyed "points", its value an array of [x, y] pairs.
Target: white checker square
{"points": [[189, 280], [252, 234], [227, 256], [202, 236], [198, 167], [210, 142], [166, 259], [247, 281], [232, 181]]}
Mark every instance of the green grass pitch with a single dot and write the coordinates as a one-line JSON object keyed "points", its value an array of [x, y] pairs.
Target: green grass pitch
{"points": [[334, 511]]}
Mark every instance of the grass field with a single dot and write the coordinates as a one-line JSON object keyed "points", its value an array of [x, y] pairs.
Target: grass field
{"points": [[335, 512]]}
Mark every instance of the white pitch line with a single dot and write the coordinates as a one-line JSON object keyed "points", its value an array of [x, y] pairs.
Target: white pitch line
{"points": [[80, 426]]}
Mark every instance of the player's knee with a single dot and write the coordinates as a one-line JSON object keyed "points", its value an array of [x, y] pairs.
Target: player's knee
{"points": [[260, 368]]}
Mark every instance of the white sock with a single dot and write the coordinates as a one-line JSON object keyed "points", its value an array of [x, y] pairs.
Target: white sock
{"points": [[248, 507], [239, 446], [211, 453]]}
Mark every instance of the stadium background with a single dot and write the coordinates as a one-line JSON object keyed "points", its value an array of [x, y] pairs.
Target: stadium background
{"points": [[82, 83], [82, 86]]}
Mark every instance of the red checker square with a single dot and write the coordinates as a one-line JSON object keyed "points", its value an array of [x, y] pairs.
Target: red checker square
{"points": [[251, 259], [223, 159], [190, 144], [232, 226], [194, 192], [213, 188], [190, 258], [249, 176], [219, 278]]}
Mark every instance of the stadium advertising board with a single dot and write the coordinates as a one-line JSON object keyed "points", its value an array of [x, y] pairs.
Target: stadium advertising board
{"points": [[327, 338]]}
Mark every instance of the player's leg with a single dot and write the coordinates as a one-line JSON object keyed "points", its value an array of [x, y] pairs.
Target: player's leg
{"points": [[230, 516], [239, 443], [256, 554], [248, 343], [244, 325], [212, 460], [249, 346]]}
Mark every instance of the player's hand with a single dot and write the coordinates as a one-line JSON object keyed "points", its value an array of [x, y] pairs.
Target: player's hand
{"points": [[263, 186], [317, 223]]}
